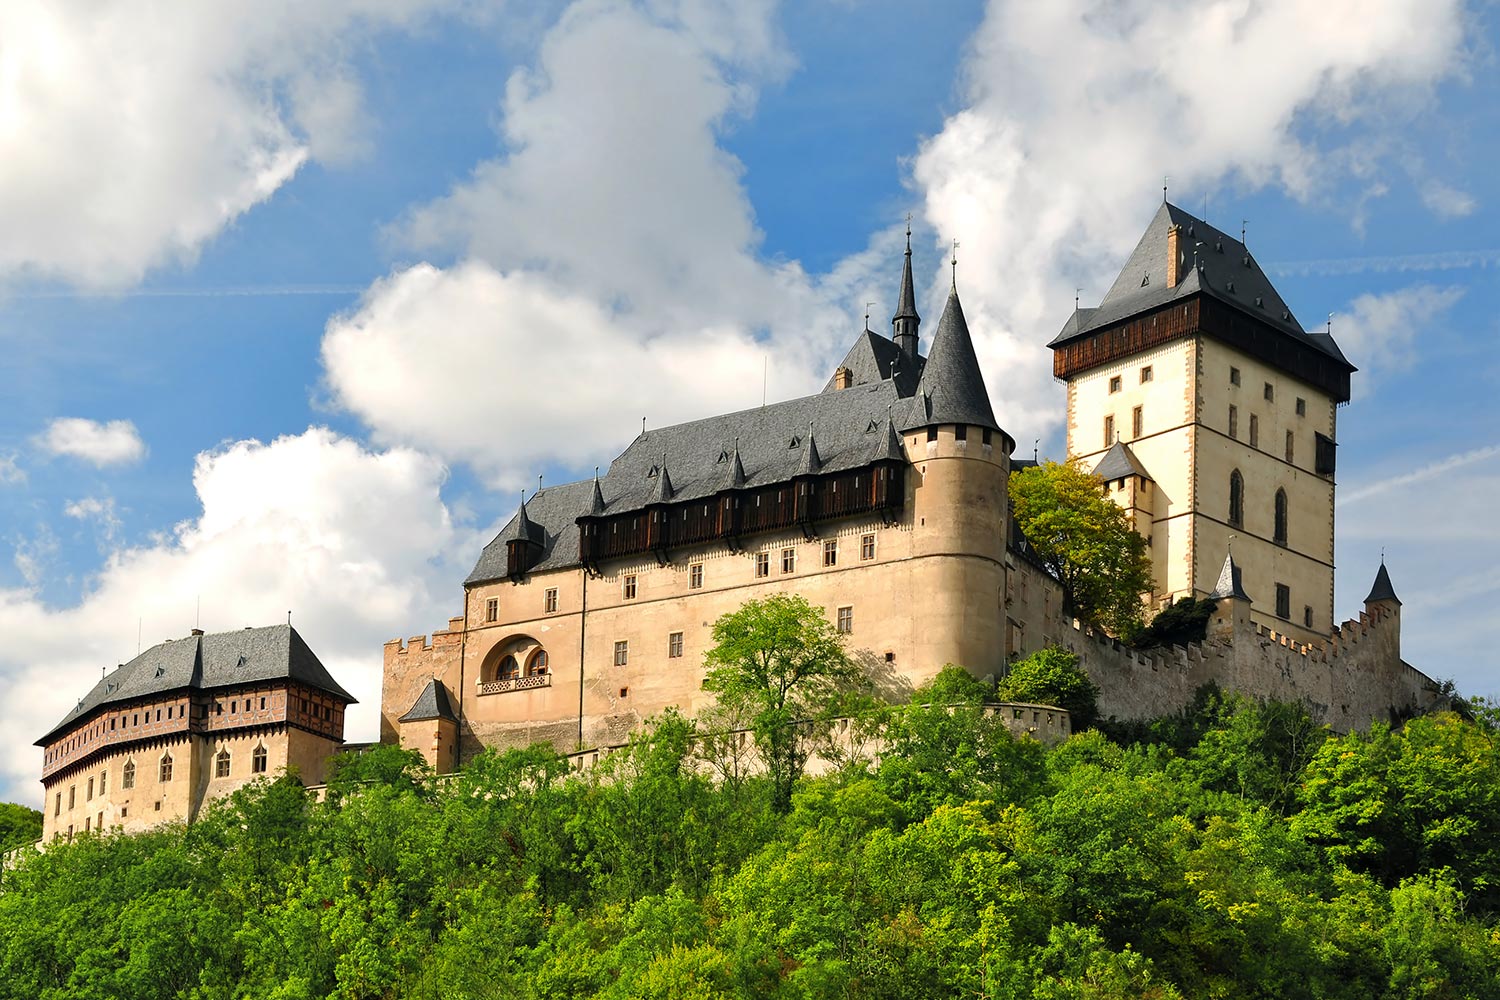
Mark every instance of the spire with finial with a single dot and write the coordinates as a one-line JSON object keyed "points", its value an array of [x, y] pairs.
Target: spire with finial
{"points": [[733, 476], [906, 321], [954, 262], [1382, 590], [662, 490], [1230, 585], [596, 498], [810, 464]]}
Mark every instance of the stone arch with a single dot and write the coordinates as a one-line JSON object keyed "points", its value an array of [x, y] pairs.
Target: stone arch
{"points": [[505, 659]]}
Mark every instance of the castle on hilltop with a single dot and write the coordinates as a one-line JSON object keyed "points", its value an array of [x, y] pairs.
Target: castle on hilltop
{"points": [[1193, 393]]}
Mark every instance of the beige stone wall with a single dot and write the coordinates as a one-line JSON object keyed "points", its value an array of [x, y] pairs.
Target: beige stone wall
{"points": [[435, 739], [408, 666]]}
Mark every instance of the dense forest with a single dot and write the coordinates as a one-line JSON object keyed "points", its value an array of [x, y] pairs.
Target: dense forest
{"points": [[1234, 850]]}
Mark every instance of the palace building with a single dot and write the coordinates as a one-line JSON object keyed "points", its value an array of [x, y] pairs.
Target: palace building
{"points": [[186, 722], [1206, 409]]}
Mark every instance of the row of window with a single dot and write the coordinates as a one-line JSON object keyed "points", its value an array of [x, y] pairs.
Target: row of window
{"points": [[134, 720], [843, 620], [1254, 437], [1237, 508], [1137, 426], [960, 433], [1268, 392], [259, 759], [1284, 606], [510, 668], [1116, 382]]}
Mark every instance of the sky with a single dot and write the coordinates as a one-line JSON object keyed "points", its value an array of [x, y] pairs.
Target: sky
{"points": [[295, 299]]}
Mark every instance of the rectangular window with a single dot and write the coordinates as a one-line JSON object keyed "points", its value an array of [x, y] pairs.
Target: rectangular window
{"points": [[99, 823], [622, 653], [1301, 407], [961, 432], [1307, 616], [1146, 374], [1323, 454], [492, 609], [831, 552], [674, 645], [549, 600], [1254, 431], [695, 575], [72, 796], [932, 433], [103, 781], [788, 560], [986, 435], [1234, 376], [628, 588], [1137, 421], [90, 796], [1114, 383], [1234, 422], [1289, 440], [846, 619], [1283, 601], [57, 806], [1269, 392], [867, 547], [1109, 430], [762, 564]]}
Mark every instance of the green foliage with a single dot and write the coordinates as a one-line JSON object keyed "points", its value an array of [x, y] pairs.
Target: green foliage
{"points": [[779, 662], [1052, 676], [1086, 541], [1178, 624], [953, 685], [1235, 850], [19, 826]]}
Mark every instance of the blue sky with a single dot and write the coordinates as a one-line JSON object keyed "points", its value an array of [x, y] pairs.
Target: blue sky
{"points": [[295, 298]]}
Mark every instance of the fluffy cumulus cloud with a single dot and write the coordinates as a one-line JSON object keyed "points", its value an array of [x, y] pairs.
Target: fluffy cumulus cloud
{"points": [[351, 541], [115, 442], [609, 265], [134, 133], [1075, 109], [1382, 329]]}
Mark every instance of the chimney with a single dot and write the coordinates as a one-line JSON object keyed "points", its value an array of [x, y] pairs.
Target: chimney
{"points": [[1173, 256], [197, 631]]}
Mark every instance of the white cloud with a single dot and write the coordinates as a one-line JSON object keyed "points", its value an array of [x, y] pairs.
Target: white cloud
{"points": [[1446, 201], [1380, 329], [99, 510], [134, 133], [1074, 110], [114, 443], [10, 473], [34, 555], [351, 541]]}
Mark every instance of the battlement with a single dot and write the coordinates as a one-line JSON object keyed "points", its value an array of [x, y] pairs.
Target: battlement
{"points": [[452, 636]]}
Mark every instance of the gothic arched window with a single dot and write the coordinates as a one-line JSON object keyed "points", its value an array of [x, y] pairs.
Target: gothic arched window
{"points": [[258, 760], [127, 775], [1236, 499], [166, 768], [1280, 536], [221, 764], [509, 668]]}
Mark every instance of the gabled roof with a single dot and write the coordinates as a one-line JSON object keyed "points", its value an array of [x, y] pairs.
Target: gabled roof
{"points": [[873, 358], [1230, 585], [1118, 463], [951, 378], [432, 703], [203, 662], [1229, 273], [1382, 590]]}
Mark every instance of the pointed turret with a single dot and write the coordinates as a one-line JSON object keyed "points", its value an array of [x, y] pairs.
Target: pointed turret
{"points": [[523, 542], [595, 506], [951, 377], [906, 321], [893, 451], [521, 529], [732, 475], [810, 464], [661, 489], [1230, 585], [1382, 590]]}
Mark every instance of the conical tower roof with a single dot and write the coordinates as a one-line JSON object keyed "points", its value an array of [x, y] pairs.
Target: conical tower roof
{"points": [[732, 474], [952, 377], [521, 529], [1230, 584], [906, 301], [810, 463], [661, 490], [596, 504], [1382, 590]]}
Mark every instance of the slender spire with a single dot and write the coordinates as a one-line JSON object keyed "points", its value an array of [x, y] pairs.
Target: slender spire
{"points": [[906, 321], [1230, 584], [1382, 589], [733, 476], [596, 499], [951, 379], [810, 463], [663, 488]]}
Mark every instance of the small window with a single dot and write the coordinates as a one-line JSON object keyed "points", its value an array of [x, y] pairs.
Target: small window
{"points": [[258, 760], [831, 552], [788, 560], [674, 646], [629, 587], [127, 775], [1137, 421], [90, 795], [1283, 601], [262, 704], [103, 781], [72, 796], [622, 653], [1234, 376], [1114, 383], [695, 576], [537, 666], [961, 432], [1146, 374], [1269, 392], [1109, 430], [549, 600], [1301, 407], [1254, 431], [166, 769], [932, 433], [1234, 422], [1280, 513], [762, 564], [867, 547], [1307, 616], [221, 764], [1289, 440], [510, 669], [1324, 454], [99, 821], [1236, 499], [234, 707], [986, 435], [57, 806], [492, 609], [846, 619]]}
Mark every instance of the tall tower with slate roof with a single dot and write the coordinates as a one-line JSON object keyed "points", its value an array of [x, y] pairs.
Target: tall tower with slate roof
{"points": [[1226, 409]]}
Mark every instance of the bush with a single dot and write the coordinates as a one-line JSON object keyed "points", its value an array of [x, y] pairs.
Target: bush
{"points": [[1052, 676]]}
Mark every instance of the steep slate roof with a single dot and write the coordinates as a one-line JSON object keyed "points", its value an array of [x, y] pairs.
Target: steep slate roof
{"points": [[1382, 590], [1229, 274], [952, 379], [873, 358], [432, 703], [1118, 463], [906, 301], [1230, 584], [224, 659]]}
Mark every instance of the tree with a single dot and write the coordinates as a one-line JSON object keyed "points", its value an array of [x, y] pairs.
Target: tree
{"points": [[1052, 676], [1086, 541], [780, 660], [18, 826]]}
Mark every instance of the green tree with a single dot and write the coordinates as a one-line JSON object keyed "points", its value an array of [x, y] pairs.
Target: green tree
{"points": [[1086, 541], [1052, 676], [781, 661], [18, 826]]}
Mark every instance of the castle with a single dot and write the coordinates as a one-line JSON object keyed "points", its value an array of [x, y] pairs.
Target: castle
{"points": [[1193, 393]]}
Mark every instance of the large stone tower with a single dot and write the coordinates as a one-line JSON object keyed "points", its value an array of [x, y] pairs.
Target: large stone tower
{"points": [[1229, 411]]}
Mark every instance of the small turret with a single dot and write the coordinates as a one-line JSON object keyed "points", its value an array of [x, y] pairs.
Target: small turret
{"points": [[1233, 609], [952, 386], [1381, 592], [1382, 605], [906, 321]]}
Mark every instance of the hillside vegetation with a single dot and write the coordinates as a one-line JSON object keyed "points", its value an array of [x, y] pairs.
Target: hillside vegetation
{"points": [[1233, 851]]}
